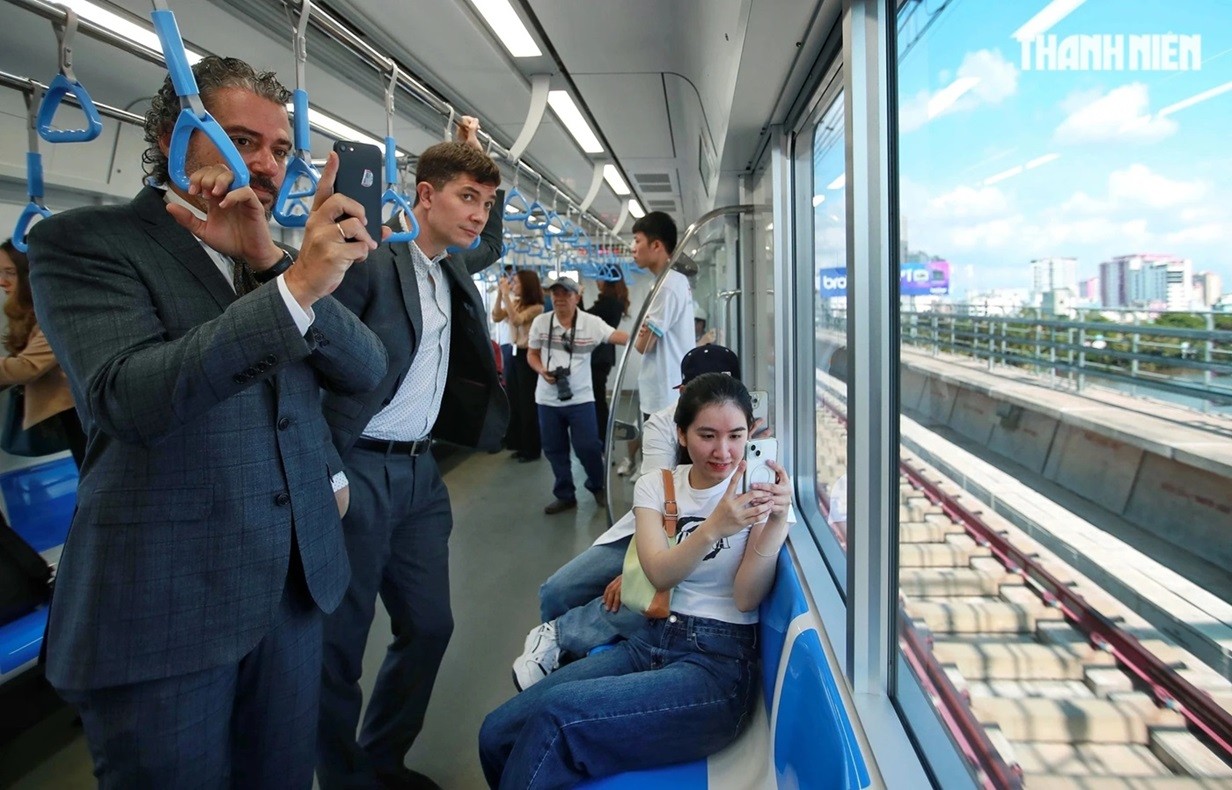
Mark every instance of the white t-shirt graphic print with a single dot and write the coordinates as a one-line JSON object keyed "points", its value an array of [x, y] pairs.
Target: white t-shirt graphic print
{"points": [[707, 592]]}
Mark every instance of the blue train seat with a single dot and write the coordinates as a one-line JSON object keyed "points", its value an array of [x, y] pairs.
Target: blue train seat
{"points": [[814, 744], [41, 500], [20, 640]]}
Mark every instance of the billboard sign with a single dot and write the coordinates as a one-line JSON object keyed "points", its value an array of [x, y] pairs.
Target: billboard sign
{"points": [[927, 278]]}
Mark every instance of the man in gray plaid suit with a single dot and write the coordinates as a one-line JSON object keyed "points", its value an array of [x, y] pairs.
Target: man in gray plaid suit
{"points": [[186, 621]]}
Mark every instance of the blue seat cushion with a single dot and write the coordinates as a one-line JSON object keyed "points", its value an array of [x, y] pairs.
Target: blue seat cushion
{"points": [[671, 777]]}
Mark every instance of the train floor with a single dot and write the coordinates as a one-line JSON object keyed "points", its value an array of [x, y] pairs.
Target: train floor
{"points": [[501, 549]]}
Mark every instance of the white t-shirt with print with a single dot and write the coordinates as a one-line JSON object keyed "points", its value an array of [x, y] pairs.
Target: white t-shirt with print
{"points": [[587, 333], [707, 591], [670, 318]]}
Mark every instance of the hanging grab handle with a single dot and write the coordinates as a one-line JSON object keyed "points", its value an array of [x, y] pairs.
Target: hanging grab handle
{"points": [[521, 209], [393, 197], [35, 208], [193, 116], [64, 84], [291, 208], [299, 185], [59, 88]]}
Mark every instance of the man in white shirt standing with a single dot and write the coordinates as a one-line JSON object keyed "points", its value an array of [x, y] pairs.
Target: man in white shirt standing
{"points": [[441, 384], [666, 335], [560, 346]]}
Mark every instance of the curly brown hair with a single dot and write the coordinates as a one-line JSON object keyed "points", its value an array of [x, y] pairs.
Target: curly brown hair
{"points": [[212, 73]]}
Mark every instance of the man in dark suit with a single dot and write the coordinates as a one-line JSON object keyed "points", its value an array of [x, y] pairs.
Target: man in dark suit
{"points": [[441, 384], [187, 617]]}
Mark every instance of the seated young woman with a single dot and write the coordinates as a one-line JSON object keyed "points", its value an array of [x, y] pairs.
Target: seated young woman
{"points": [[683, 687]]}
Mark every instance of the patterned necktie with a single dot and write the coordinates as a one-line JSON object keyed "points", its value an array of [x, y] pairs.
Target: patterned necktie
{"points": [[242, 278]]}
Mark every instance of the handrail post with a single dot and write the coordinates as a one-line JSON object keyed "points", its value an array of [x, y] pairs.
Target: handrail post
{"points": [[1082, 354]]}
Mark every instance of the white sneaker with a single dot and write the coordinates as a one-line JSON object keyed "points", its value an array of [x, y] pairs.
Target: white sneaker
{"points": [[540, 656], [625, 466]]}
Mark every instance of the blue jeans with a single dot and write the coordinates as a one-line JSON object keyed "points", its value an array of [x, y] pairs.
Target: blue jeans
{"points": [[573, 597], [679, 690], [558, 425]]}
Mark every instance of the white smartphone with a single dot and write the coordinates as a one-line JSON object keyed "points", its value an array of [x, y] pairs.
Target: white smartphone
{"points": [[756, 453], [761, 404]]}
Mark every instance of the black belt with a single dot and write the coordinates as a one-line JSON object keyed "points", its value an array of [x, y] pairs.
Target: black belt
{"points": [[390, 447]]}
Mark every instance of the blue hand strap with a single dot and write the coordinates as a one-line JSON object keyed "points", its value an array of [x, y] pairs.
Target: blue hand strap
{"points": [[521, 209], [292, 206], [59, 88], [392, 198], [193, 116]]}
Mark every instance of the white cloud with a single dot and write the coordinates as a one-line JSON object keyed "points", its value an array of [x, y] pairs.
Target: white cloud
{"points": [[998, 78], [1123, 114], [985, 77], [968, 202], [1139, 184], [1208, 233]]}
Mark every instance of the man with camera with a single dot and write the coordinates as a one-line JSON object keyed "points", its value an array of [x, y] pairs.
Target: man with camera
{"points": [[560, 346]]}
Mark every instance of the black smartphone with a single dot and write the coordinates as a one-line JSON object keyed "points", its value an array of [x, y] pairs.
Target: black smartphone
{"points": [[360, 178]]}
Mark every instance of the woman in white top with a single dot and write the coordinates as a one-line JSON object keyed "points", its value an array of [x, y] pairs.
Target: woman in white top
{"points": [[683, 687]]}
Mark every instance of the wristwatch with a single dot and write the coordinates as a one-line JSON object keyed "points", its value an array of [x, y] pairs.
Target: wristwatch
{"points": [[265, 275]]}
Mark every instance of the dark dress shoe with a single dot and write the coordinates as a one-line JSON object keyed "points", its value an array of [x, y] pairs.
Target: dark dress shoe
{"points": [[560, 506], [526, 459], [600, 497]]}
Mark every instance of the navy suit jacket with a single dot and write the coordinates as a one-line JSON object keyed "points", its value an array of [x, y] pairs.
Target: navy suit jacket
{"points": [[205, 461], [384, 293]]}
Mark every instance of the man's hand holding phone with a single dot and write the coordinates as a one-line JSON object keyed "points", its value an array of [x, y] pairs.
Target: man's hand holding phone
{"points": [[335, 237]]}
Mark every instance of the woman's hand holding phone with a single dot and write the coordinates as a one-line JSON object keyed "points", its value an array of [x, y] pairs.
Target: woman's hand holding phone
{"points": [[735, 510], [778, 493]]}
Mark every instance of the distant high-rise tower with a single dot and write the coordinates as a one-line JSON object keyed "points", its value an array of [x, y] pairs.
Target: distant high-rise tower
{"points": [[1051, 274], [1208, 287], [1147, 280]]}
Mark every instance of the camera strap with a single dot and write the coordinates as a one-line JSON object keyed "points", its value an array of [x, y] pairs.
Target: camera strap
{"points": [[566, 342]]}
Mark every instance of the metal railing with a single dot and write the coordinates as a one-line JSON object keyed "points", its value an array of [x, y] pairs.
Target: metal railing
{"points": [[1193, 362]]}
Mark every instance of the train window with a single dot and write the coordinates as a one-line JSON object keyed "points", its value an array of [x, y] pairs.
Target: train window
{"points": [[1065, 195], [829, 223]]}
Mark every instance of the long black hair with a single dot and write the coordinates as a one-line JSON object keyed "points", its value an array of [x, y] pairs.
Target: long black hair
{"points": [[709, 389]]}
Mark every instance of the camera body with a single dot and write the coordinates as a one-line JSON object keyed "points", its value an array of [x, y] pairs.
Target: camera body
{"points": [[563, 390]]}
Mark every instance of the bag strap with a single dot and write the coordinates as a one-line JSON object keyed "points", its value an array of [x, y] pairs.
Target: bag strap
{"points": [[669, 503]]}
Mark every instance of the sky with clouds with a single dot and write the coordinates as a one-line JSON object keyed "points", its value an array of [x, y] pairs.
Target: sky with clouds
{"points": [[1001, 165]]}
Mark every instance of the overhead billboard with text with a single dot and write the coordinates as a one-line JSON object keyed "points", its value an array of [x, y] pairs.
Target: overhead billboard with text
{"points": [[925, 278]]}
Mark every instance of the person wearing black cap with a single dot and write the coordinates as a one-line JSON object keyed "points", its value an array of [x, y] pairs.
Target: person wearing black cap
{"points": [[559, 349], [579, 604]]}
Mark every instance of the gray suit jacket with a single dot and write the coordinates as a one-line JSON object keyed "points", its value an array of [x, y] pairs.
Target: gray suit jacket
{"points": [[205, 460], [383, 292]]}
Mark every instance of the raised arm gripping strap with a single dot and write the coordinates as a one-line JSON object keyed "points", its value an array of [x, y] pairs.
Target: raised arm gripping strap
{"points": [[60, 87], [191, 120]]}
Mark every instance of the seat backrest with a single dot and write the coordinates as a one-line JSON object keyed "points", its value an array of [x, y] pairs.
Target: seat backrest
{"points": [[814, 743], [784, 604], [41, 500]]}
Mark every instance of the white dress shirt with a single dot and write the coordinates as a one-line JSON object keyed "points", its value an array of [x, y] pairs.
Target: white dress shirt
{"points": [[412, 411]]}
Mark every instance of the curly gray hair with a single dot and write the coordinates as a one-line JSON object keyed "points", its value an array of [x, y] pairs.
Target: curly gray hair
{"points": [[212, 73]]}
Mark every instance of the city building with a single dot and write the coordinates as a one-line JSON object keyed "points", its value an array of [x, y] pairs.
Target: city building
{"points": [[1050, 274], [1208, 287], [1162, 282]]}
